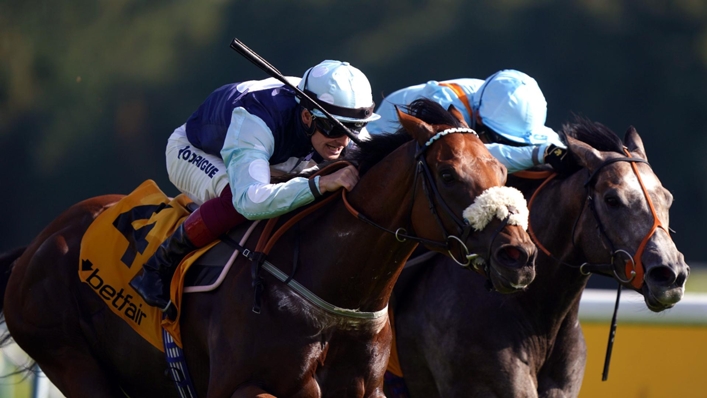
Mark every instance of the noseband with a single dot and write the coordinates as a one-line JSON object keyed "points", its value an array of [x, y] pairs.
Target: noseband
{"points": [[633, 267], [433, 195]]}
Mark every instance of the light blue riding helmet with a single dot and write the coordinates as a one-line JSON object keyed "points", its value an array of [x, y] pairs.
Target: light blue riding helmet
{"points": [[512, 104]]}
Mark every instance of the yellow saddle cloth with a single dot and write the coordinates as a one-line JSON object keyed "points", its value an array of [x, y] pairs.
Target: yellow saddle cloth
{"points": [[120, 241]]}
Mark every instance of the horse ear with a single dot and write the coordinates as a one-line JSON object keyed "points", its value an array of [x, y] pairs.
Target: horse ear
{"points": [[458, 115], [634, 143], [585, 155], [418, 129]]}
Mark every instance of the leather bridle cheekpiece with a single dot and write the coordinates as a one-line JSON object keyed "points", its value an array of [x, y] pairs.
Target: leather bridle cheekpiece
{"points": [[633, 268], [434, 199]]}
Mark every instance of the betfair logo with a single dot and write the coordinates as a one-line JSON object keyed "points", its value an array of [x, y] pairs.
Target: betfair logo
{"points": [[117, 298]]}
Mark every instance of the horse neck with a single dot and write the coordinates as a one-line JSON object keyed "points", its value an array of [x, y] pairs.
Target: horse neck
{"points": [[553, 213], [363, 262]]}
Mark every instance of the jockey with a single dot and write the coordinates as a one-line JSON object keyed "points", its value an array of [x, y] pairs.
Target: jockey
{"points": [[225, 153], [507, 110]]}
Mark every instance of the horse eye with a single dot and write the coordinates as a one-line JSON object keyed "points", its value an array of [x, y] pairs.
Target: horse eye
{"points": [[447, 176], [612, 201]]}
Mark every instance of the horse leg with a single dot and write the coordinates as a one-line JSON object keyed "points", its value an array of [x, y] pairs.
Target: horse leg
{"points": [[413, 325], [562, 373], [77, 374], [251, 391], [55, 341], [42, 315], [355, 365]]}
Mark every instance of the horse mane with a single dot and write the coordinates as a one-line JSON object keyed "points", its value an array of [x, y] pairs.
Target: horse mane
{"points": [[595, 134], [372, 151], [379, 146]]}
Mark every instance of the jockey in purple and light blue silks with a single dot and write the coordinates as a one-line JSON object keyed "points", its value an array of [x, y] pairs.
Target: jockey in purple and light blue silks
{"points": [[223, 157], [507, 110]]}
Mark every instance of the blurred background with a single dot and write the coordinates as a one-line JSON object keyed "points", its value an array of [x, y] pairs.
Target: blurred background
{"points": [[90, 90]]}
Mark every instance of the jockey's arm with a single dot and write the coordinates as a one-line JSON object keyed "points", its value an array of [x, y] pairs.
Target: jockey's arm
{"points": [[247, 149], [432, 90], [517, 158]]}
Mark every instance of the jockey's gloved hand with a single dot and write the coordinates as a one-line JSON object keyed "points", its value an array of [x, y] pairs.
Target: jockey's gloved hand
{"points": [[557, 157]]}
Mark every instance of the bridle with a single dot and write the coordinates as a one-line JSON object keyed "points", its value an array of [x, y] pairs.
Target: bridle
{"points": [[633, 267], [435, 200], [268, 238]]}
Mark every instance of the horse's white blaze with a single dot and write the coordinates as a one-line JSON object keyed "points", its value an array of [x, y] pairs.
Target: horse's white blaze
{"points": [[495, 202], [650, 182]]}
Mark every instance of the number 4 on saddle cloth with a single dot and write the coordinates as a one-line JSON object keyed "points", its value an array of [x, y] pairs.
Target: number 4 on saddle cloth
{"points": [[120, 241]]}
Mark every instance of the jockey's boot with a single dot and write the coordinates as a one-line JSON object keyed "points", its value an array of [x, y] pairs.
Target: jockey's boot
{"points": [[153, 284]]}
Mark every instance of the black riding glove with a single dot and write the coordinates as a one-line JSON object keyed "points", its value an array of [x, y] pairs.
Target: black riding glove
{"points": [[557, 157]]}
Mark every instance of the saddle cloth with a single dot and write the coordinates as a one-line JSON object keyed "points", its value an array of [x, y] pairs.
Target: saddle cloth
{"points": [[125, 235], [120, 241]]}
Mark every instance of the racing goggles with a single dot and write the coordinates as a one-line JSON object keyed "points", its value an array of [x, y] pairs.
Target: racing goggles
{"points": [[331, 130]]}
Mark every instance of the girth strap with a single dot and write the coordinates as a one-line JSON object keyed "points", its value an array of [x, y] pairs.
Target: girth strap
{"points": [[306, 293], [266, 243]]}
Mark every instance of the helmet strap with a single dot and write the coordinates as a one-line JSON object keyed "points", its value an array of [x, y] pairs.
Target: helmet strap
{"points": [[311, 129]]}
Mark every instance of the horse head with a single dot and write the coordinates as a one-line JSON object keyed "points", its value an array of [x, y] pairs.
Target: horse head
{"points": [[462, 198], [629, 207]]}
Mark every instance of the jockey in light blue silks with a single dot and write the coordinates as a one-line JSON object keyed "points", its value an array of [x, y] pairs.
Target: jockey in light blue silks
{"points": [[507, 110]]}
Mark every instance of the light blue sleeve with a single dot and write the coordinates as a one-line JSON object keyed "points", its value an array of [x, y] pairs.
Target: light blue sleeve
{"points": [[517, 158], [246, 151], [388, 123]]}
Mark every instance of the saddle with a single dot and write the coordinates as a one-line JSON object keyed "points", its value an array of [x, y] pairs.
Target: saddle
{"points": [[125, 235]]}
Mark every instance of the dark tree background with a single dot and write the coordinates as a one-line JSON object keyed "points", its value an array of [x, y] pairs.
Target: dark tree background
{"points": [[90, 91]]}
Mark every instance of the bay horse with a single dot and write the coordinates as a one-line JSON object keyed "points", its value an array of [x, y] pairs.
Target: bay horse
{"points": [[414, 187], [610, 217]]}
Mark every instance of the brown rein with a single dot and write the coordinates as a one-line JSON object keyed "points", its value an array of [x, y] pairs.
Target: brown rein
{"points": [[634, 265], [548, 178], [267, 238], [266, 242]]}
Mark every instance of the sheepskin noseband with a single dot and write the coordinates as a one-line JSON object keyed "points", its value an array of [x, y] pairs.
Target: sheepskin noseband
{"points": [[500, 202]]}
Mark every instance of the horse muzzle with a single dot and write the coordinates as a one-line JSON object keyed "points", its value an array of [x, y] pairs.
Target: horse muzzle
{"points": [[664, 286], [511, 262]]}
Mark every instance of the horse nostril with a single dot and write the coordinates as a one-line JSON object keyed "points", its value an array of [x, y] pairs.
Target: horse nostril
{"points": [[513, 253], [513, 256], [662, 275], [680, 281]]}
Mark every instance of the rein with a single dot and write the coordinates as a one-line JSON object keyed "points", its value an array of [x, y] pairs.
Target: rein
{"points": [[433, 195], [266, 242], [633, 266], [268, 239], [434, 199]]}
